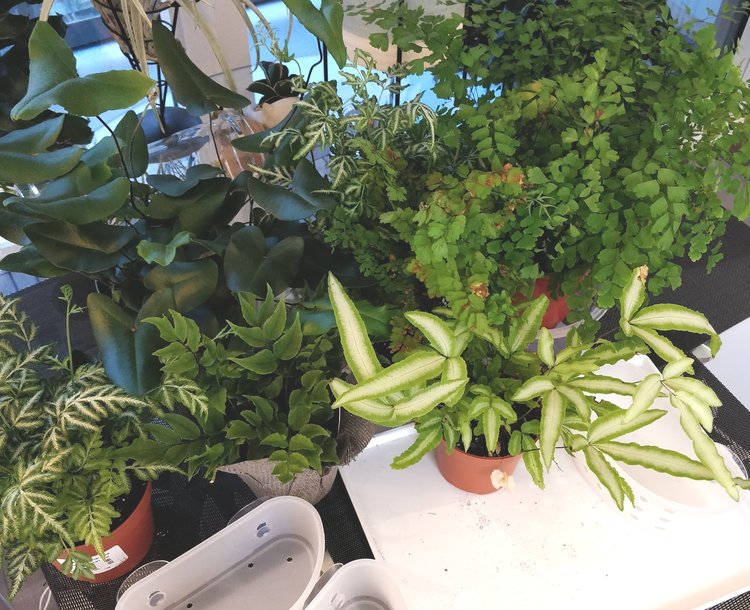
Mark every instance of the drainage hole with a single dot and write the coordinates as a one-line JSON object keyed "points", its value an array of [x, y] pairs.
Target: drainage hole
{"points": [[250, 565], [289, 559]]}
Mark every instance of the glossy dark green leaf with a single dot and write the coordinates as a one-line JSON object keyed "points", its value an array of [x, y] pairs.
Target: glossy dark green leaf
{"points": [[86, 248], [301, 200], [127, 350], [23, 168], [191, 282], [82, 209], [53, 80], [133, 145], [28, 260], [190, 87], [175, 187], [249, 267], [12, 222], [324, 23], [262, 363], [196, 210], [34, 139], [317, 318]]}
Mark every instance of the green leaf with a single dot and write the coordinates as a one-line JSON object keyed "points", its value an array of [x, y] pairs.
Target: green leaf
{"points": [[408, 373], [700, 409], [427, 440], [250, 267], [86, 248], [317, 317], [274, 325], [536, 386], [677, 368], [656, 458], [301, 200], [358, 350], [455, 370], [81, 209], [288, 345], [162, 254], [262, 363], [28, 260], [524, 330], [634, 294], [601, 384], [607, 475], [190, 283], [553, 413], [175, 187], [240, 430], [275, 440], [127, 350], [53, 80], [546, 347], [645, 395], [190, 87], [23, 158], [254, 336], [187, 429], [371, 410], [705, 449], [133, 144], [437, 332], [325, 24], [299, 442], [577, 398], [615, 424], [676, 317]]}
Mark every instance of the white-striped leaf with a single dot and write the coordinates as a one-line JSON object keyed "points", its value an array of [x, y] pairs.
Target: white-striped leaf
{"points": [[477, 407], [371, 410], [409, 373], [663, 347], [532, 459], [466, 434], [578, 400], [437, 332], [677, 368], [634, 293], [358, 350], [676, 317], [425, 401], [553, 413], [536, 386], [546, 347], [504, 409], [695, 387], [491, 428], [614, 424], [572, 368], [570, 351], [601, 384], [454, 369], [705, 449], [607, 475], [427, 440], [644, 396], [656, 458], [700, 409], [524, 329]]}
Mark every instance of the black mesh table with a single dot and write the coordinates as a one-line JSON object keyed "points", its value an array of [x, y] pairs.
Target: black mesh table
{"points": [[188, 512]]}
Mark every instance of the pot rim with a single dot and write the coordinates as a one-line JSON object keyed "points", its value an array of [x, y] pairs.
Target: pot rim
{"points": [[443, 445]]}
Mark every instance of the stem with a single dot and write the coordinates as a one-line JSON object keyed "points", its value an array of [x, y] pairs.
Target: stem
{"points": [[67, 337], [216, 146]]}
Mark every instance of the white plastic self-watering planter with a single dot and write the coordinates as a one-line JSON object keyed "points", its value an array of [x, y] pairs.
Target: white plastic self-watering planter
{"points": [[268, 559]]}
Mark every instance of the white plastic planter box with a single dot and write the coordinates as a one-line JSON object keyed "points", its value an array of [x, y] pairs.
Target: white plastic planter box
{"points": [[270, 558]]}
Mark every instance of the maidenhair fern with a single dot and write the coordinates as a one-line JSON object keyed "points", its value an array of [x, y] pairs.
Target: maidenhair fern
{"points": [[60, 430]]}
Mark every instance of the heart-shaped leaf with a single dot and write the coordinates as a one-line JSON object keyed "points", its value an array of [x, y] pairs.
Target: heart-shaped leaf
{"points": [[162, 254], [174, 187], [190, 282], [127, 349]]}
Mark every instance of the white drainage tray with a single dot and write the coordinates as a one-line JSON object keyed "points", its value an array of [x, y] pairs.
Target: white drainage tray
{"points": [[269, 558]]}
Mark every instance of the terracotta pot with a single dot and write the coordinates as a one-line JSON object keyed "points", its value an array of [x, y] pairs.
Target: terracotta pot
{"points": [[472, 472], [126, 547], [558, 308]]}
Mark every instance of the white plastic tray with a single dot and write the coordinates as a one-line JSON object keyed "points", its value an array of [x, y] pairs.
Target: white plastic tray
{"points": [[567, 547]]}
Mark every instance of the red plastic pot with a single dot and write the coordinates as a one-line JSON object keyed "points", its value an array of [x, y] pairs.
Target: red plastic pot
{"points": [[558, 308], [126, 547], [472, 472]]}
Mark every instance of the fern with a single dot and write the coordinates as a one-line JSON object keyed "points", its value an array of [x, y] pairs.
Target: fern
{"points": [[176, 390]]}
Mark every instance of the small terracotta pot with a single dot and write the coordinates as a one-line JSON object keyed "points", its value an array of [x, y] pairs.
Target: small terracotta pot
{"points": [[472, 472], [558, 308], [131, 541]]}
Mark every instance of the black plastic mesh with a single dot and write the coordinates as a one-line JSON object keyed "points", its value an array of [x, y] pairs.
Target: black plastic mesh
{"points": [[188, 512]]}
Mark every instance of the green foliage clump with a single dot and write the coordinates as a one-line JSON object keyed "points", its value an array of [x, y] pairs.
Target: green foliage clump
{"points": [[61, 429], [255, 390]]}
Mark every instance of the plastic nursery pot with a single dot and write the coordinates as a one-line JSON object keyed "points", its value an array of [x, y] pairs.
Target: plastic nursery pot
{"points": [[558, 308], [126, 547], [472, 473]]}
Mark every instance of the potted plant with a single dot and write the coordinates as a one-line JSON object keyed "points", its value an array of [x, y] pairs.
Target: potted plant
{"points": [[620, 128], [68, 497], [257, 402], [482, 391]]}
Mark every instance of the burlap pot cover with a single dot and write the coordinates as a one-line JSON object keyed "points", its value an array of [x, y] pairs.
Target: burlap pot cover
{"points": [[352, 436]]}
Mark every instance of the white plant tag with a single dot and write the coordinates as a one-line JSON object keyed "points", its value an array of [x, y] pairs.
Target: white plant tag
{"points": [[113, 557]]}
